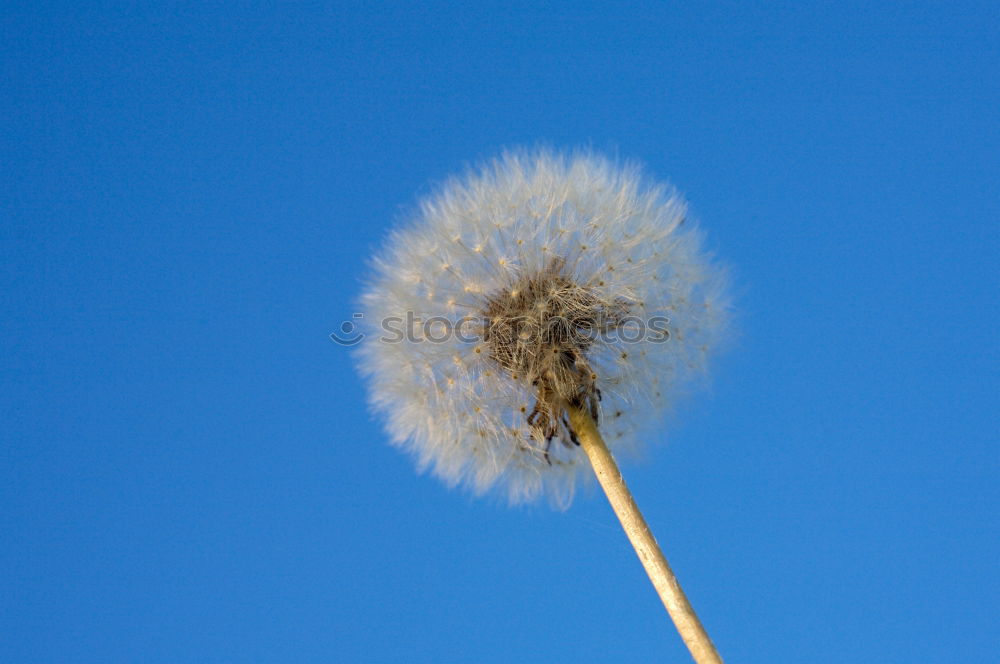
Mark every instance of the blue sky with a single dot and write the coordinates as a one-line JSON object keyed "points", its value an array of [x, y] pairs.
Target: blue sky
{"points": [[189, 194]]}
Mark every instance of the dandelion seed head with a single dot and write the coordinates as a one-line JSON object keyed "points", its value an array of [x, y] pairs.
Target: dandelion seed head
{"points": [[540, 261]]}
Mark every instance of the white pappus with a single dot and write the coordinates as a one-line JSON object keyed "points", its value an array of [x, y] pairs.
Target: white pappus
{"points": [[539, 280]]}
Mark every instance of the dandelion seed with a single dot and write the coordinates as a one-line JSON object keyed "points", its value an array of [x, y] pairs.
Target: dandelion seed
{"points": [[467, 246], [553, 254]]}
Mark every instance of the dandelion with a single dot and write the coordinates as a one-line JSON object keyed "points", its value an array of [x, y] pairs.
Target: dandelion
{"points": [[535, 316]]}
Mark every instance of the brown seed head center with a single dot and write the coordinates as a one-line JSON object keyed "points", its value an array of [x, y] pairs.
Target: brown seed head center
{"points": [[539, 330]]}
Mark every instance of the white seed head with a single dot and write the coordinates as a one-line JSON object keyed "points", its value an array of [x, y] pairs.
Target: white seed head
{"points": [[551, 267]]}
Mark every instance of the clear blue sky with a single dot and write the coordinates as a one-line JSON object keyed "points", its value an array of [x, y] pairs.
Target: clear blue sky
{"points": [[188, 472]]}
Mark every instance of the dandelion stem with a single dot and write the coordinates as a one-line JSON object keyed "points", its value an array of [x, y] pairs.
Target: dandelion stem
{"points": [[666, 584]]}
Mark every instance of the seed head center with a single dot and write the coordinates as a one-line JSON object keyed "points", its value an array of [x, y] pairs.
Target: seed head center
{"points": [[539, 330]]}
